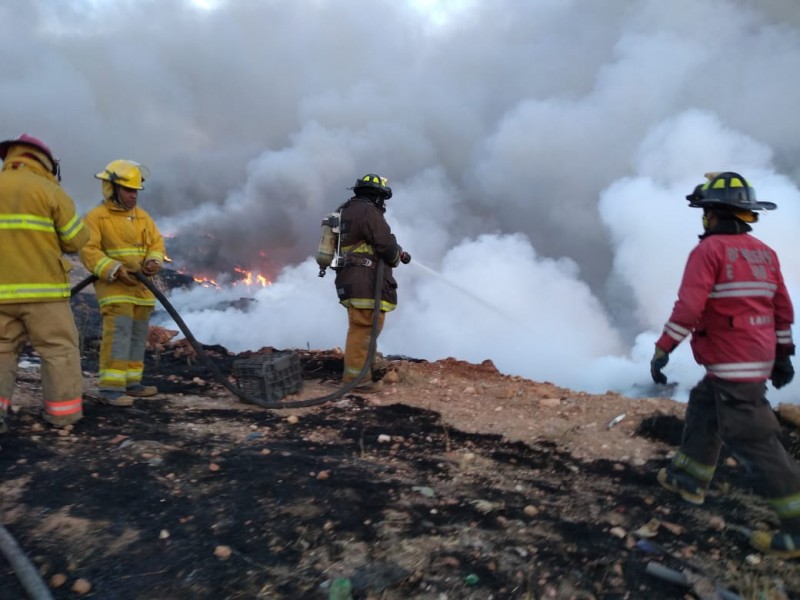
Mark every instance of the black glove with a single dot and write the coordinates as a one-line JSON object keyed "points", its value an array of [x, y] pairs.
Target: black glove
{"points": [[405, 258], [782, 372], [657, 363]]}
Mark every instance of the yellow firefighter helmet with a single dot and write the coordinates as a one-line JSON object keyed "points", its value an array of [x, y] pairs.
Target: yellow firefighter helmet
{"points": [[126, 173]]}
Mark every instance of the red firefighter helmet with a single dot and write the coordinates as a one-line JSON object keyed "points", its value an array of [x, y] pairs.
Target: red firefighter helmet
{"points": [[32, 142]]}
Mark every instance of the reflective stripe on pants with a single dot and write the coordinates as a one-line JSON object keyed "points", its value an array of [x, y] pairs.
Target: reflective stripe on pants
{"points": [[123, 345], [50, 328], [739, 415], [356, 349]]}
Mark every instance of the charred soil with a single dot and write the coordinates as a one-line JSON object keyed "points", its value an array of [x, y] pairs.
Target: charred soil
{"points": [[455, 482]]}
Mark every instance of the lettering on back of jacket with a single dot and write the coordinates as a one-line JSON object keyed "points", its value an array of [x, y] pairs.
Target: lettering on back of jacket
{"points": [[760, 261]]}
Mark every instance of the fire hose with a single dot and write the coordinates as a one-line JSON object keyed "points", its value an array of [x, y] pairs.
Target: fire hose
{"points": [[27, 574], [223, 380]]}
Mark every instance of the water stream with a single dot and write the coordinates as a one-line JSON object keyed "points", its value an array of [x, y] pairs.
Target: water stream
{"points": [[495, 309]]}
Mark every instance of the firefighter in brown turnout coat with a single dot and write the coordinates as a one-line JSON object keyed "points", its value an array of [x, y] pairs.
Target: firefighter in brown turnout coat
{"points": [[734, 304], [365, 239], [38, 223]]}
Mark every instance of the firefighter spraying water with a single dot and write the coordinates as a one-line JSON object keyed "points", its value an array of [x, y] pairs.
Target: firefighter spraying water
{"points": [[356, 240], [329, 256]]}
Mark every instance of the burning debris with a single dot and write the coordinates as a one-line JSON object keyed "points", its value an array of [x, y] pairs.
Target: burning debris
{"points": [[201, 257], [87, 311]]}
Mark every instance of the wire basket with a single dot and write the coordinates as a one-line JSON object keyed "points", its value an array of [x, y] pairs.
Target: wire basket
{"points": [[269, 377]]}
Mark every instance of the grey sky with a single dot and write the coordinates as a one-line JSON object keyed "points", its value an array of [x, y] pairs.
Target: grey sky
{"points": [[539, 151]]}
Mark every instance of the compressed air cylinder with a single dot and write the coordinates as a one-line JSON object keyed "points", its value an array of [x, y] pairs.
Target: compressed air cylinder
{"points": [[327, 243], [327, 247]]}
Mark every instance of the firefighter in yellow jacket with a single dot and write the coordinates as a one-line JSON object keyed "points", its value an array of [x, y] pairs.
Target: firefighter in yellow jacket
{"points": [[38, 224], [123, 240]]}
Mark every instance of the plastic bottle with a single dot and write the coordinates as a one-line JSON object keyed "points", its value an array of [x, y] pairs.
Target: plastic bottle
{"points": [[341, 589]]}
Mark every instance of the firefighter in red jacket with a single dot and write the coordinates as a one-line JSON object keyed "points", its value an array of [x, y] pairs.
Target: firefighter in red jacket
{"points": [[366, 238], [734, 304], [124, 240], [38, 224]]}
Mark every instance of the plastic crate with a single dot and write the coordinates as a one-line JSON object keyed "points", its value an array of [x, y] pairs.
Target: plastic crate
{"points": [[269, 377]]}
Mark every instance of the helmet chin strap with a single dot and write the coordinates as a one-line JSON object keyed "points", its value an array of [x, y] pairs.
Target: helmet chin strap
{"points": [[115, 196], [118, 199]]}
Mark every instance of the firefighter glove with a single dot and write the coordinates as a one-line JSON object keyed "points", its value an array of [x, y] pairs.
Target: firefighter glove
{"points": [[657, 363], [151, 267], [125, 277], [782, 372], [405, 258]]}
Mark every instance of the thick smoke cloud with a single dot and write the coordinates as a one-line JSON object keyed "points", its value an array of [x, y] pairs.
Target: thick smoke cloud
{"points": [[539, 154]]}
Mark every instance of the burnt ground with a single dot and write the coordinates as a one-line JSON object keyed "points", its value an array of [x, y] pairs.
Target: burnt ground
{"points": [[194, 495]]}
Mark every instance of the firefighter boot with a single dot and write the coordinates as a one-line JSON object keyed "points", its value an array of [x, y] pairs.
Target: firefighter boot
{"points": [[60, 421], [141, 391], [685, 485], [120, 399], [781, 544], [371, 387], [379, 365]]}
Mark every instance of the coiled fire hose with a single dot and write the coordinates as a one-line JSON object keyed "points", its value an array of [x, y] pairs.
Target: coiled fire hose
{"points": [[220, 377]]}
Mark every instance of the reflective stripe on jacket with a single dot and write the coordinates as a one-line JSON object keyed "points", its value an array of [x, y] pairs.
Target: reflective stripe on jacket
{"points": [[38, 224], [121, 237], [734, 303], [366, 237]]}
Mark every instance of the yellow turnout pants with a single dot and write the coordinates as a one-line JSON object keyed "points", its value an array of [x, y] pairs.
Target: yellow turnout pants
{"points": [[50, 328], [122, 347], [359, 330]]}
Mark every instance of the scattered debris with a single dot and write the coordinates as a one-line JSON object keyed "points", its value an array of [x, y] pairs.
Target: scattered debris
{"points": [[454, 487], [616, 420]]}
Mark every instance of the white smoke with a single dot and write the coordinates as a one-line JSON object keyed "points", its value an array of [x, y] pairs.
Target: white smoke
{"points": [[539, 154]]}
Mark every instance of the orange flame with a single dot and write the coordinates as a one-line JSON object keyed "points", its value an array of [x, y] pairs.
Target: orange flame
{"points": [[250, 278], [206, 282]]}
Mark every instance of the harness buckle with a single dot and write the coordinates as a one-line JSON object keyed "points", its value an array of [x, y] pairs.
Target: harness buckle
{"points": [[358, 261]]}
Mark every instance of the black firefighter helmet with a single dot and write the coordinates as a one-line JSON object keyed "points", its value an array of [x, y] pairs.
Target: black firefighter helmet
{"points": [[375, 184], [727, 190]]}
